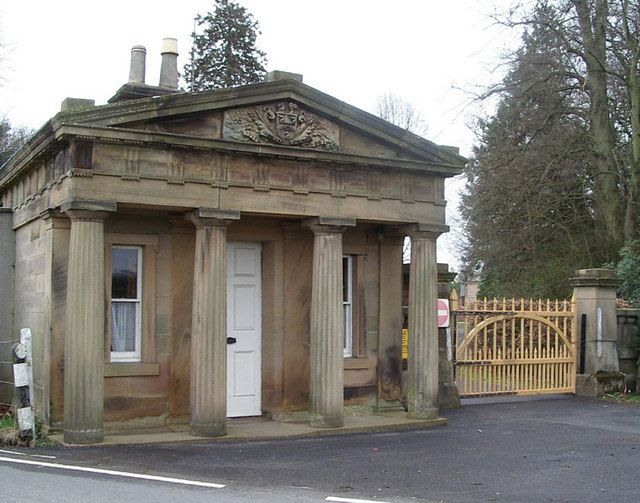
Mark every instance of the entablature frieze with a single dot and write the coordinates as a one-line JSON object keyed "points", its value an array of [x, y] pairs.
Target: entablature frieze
{"points": [[228, 144], [223, 170]]}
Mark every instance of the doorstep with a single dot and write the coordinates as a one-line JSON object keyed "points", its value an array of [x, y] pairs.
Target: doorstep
{"points": [[258, 428]]}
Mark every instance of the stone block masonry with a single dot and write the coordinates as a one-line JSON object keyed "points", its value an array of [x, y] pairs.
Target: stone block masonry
{"points": [[30, 300], [7, 293]]}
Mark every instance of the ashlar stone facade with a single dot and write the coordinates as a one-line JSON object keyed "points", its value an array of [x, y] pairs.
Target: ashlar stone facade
{"points": [[274, 189]]}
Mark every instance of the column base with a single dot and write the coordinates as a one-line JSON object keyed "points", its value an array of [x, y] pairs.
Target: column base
{"points": [[389, 406], [218, 429], [426, 413], [319, 421], [83, 436]]}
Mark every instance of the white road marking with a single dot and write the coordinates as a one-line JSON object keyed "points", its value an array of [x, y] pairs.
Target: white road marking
{"points": [[172, 480], [351, 500], [26, 454]]}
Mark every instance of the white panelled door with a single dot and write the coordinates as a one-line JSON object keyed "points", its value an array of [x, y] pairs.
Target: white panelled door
{"points": [[244, 324]]}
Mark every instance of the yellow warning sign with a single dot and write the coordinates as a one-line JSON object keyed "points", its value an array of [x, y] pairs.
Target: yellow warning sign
{"points": [[405, 343]]}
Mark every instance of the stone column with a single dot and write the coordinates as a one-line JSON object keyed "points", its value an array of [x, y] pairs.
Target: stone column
{"points": [[595, 296], [84, 337], [390, 321], [327, 324], [422, 369], [209, 323], [448, 395]]}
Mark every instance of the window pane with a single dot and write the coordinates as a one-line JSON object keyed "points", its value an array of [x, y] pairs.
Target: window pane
{"points": [[345, 279], [123, 333], [124, 273], [348, 340]]}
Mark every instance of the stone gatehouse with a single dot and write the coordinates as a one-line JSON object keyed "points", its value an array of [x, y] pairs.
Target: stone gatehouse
{"points": [[238, 252]]}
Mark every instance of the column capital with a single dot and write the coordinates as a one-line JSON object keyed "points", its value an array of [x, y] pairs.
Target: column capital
{"points": [[425, 231], [87, 215], [211, 217], [80, 210], [88, 206], [329, 225]]}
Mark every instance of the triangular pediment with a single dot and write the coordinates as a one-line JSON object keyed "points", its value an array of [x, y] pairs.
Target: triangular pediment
{"points": [[285, 113]]}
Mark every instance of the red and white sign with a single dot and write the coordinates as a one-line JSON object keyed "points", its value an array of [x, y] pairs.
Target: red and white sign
{"points": [[443, 313]]}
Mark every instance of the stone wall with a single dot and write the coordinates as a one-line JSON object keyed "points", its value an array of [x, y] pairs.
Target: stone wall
{"points": [[141, 390], [32, 302], [7, 252], [162, 391], [628, 327]]}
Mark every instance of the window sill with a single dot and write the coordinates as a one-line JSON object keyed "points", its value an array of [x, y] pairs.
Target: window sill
{"points": [[131, 369], [351, 363]]}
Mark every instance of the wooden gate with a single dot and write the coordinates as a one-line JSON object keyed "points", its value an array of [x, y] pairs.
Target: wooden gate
{"points": [[514, 346]]}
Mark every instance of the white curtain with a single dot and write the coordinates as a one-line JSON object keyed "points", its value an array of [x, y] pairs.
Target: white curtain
{"points": [[123, 334]]}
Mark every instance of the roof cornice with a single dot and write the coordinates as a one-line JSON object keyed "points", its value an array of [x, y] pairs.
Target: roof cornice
{"points": [[104, 122], [330, 107], [173, 140]]}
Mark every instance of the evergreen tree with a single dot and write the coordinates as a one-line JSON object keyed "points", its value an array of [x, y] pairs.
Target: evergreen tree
{"points": [[224, 52], [528, 207], [590, 57]]}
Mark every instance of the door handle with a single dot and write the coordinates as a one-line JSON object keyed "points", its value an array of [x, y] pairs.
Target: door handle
{"points": [[231, 340]]}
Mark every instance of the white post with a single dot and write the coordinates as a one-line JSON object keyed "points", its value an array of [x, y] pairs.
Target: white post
{"points": [[23, 382]]}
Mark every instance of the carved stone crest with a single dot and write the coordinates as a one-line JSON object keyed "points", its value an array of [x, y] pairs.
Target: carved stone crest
{"points": [[281, 123]]}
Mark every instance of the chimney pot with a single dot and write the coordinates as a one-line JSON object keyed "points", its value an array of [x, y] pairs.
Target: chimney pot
{"points": [[138, 63], [170, 45], [169, 66]]}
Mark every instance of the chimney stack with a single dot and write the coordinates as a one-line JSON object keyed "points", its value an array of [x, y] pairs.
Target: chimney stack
{"points": [[169, 67], [136, 88], [138, 63]]}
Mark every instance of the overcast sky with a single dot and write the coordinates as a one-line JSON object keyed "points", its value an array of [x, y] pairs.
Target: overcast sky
{"points": [[354, 50]]}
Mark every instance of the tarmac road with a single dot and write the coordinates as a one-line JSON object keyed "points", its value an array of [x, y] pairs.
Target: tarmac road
{"points": [[554, 450]]}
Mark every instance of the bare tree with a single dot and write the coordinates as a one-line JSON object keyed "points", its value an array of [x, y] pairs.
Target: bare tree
{"points": [[600, 42], [11, 137], [395, 110], [3, 54], [403, 114]]}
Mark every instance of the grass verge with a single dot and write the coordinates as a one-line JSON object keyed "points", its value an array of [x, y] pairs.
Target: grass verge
{"points": [[9, 432], [8, 429], [628, 398]]}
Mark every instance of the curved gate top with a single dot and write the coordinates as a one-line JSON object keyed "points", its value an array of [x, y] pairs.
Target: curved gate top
{"points": [[514, 346]]}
